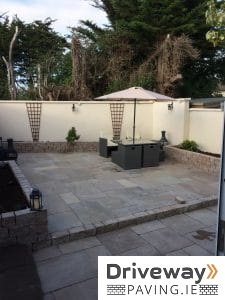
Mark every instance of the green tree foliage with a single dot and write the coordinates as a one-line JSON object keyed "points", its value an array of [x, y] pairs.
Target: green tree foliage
{"points": [[142, 25], [215, 18], [119, 55], [38, 54]]}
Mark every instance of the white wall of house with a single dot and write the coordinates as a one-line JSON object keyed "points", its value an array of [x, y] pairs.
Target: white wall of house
{"points": [[93, 119]]}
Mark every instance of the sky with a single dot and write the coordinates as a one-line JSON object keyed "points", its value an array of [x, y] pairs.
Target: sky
{"points": [[67, 12]]}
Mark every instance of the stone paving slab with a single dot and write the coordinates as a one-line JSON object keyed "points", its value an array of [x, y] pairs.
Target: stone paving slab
{"points": [[148, 227], [196, 250], [206, 216], [166, 240], [81, 291], [79, 245], [68, 270], [121, 241], [183, 223], [62, 221], [69, 198], [127, 183]]}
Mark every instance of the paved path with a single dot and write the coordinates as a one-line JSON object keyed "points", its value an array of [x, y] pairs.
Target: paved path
{"points": [[80, 189], [69, 271]]}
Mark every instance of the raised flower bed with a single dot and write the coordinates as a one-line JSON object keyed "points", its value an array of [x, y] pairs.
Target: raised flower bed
{"points": [[202, 161]]}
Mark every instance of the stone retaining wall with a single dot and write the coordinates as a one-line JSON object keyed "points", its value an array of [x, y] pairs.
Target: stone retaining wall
{"points": [[23, 226], [201, 161], [37, 147]]}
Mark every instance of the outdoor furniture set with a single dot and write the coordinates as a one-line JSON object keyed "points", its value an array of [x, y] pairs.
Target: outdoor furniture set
{"points": [[129, 155]]}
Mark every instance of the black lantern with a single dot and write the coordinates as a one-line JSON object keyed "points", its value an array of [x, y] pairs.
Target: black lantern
{"points": [[35, 199]]}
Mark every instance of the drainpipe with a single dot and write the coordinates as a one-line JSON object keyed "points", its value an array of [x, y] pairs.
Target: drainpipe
{"points": [[220, 247]]}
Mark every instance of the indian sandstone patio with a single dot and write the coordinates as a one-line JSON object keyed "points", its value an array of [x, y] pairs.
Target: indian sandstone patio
{"points": [[69, 271], [86, 194]]}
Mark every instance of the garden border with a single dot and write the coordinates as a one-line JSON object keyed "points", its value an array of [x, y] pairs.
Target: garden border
{"points": [[201, 161]]}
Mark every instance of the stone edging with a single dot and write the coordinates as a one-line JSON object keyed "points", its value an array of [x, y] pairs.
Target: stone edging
{"points": [[23, 182], [201, 161], [89, 230], [61, 147]]}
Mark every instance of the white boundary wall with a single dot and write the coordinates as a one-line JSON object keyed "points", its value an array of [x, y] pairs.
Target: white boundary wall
{"points": [[175, 122], [93, 119], [206, 128]]}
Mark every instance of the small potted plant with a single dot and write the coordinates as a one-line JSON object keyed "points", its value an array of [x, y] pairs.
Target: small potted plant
{"points": [[72, 136]]}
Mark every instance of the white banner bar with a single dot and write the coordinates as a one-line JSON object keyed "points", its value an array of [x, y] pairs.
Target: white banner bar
{"points": [[161, 277]]}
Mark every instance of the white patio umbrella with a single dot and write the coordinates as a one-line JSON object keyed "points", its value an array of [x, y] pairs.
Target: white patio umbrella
{"points": [[135, 93]]}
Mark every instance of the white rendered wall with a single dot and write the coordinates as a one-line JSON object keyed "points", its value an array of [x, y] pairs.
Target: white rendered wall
{"points": [[14, 122], [144, 117], [206, 127], [93, 119], [174, 122]]}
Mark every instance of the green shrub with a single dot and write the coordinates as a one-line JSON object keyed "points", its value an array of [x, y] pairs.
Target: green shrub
{"points": [[189, 145], [72, 136]]}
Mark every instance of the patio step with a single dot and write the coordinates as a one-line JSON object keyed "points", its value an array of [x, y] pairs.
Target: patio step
{"points": [[88, 230]]}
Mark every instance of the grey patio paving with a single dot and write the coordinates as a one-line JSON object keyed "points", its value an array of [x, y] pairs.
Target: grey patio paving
{"points": [[84, 188], [69, 271]]}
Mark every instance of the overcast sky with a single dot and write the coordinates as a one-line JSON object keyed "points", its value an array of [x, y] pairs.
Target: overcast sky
{"points": [[67, 12]]}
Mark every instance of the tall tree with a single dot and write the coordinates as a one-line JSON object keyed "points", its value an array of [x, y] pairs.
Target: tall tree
{"points": [[78, 69], [9, 66], [5, 37], [36, 54], [144, 24]]}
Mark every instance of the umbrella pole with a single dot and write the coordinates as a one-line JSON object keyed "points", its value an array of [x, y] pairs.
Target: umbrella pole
{"points": [[135, 103]]}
